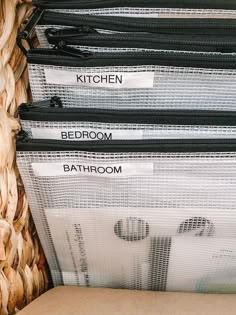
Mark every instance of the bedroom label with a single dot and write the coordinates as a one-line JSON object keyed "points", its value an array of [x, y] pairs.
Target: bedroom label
{"points": [[100, 170], [85, 134], [117, 80]]}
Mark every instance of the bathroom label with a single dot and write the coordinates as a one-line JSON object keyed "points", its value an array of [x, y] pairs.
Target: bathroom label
{"points": [[118, 80], [100, 170], [85, 134]]}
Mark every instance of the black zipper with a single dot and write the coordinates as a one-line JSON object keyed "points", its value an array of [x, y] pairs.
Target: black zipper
{"points": [[92, 4], [52, 110], [71, 57], [133, 24], [109, 146], [203, 27], [87, 36]]}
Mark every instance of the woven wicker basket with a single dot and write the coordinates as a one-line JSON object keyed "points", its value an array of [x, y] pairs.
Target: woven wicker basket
{"points": [[23, 274]]}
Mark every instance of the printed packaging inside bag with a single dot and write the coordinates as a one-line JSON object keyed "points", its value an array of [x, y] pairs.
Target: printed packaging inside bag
{"points": [[156, 215], [150, 8], [134, 80], [49, 120]]}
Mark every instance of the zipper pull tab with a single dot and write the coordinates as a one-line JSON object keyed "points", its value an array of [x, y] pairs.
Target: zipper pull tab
{"points": [[56, 101], [53, 102], [53, 34], [25, 35], [64, 48]]}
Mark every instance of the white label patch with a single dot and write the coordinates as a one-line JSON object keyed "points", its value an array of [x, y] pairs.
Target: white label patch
{"points": [[118, 80], [85, 134], [102, 170]]}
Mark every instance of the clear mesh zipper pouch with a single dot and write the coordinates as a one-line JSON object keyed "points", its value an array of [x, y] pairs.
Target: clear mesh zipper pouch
{"points": [[156, 221], [86, 131], [135, 87]]}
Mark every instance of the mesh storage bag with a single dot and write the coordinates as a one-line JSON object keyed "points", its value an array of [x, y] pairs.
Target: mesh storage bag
{"points": [[90, 39], [43, 20], [117, 131], [157, 12], [83, 27], [159, 9], [147, 215], [49, 120], [135, 80]]}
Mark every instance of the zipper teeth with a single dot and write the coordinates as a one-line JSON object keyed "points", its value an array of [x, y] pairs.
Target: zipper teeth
{"points": [[46, 53], [141, 38], [194, 60], [194, 118], [142, 142], [180, 113], [190, 145]]}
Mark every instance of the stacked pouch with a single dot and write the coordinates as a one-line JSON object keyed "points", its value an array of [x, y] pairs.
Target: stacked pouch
{"points": [[76, 29], [128, 150], [50, 120], [134, 80], [129, 62], [148, 9], [144, 214], [138, 9]]}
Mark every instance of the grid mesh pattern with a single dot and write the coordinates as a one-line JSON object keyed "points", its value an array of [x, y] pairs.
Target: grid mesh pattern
{"points": [[174, 88], [156, 12], [149, 131], [172, 230]]}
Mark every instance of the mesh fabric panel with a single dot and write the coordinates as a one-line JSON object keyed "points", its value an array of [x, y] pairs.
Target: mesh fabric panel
{"points": [[150, 131], [172, 230], [174, 88], [155, 12]]}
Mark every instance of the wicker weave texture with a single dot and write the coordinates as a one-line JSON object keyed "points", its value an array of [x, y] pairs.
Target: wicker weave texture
{"points": [[23, 276]]}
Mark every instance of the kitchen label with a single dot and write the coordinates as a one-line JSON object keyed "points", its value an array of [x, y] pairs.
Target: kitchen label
{"points": [[118, 80]]}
